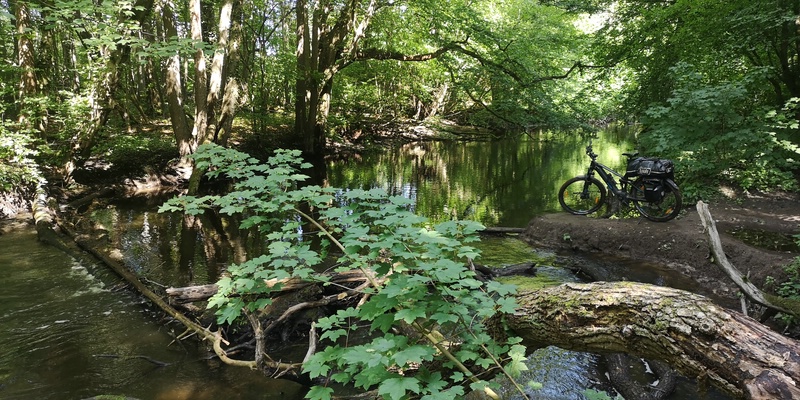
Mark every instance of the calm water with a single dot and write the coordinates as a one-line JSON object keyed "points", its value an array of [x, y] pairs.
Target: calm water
{"points": [[68, 332], [501, 183]]}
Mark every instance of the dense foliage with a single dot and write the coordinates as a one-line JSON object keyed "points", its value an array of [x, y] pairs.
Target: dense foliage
{"points": [[718, 134], [428, 291], [708, 78], [76, 73]]}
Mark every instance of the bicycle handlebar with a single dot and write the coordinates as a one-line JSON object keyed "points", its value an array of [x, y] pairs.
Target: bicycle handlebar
{"points": [[590, 153]]}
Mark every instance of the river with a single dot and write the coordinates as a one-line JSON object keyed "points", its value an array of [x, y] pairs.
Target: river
{"points": [[70, 330]]}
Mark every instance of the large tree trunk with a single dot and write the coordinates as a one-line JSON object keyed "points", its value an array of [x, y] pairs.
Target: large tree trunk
{"points": [[200, 73], [174, 87], [687, 331], [327, 40]]}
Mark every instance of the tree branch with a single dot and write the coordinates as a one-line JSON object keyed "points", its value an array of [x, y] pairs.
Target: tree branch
{"points": [[748, 288]]}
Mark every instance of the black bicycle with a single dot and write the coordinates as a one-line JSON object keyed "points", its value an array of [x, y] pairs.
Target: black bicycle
{"points": [[647, 184]]}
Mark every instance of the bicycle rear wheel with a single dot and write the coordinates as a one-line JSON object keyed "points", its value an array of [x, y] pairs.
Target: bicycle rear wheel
{"points": [[582, 195], [662, 207]]}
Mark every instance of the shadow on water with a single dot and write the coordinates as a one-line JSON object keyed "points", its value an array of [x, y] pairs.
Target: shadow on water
{"points": [[68, 331]]}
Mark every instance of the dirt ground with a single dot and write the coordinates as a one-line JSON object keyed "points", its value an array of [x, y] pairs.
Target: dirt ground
{"points": [[681, 245]]}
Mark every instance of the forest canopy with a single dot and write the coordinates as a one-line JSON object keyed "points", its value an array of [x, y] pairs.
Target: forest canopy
{"points": [[85, 80]]}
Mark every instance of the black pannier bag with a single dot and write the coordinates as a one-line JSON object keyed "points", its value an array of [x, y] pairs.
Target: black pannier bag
{"points": [[654, 190], [651, 168]]}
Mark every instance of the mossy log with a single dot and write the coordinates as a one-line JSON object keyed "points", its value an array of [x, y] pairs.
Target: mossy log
{"points": [[689, 332]]}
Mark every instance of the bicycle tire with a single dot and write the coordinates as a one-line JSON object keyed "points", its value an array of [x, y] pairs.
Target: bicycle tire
{"points": [[663, 210], [577, 198]]}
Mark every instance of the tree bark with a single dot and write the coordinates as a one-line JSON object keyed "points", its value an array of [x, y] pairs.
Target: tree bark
{"points": [[685, 330], [174, 87], [190, 294], [200, 75]]}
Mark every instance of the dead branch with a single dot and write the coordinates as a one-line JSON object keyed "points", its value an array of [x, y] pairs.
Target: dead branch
{"points": [[747, 287]]}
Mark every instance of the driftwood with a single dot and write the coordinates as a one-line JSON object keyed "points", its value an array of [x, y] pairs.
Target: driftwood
{"points": [[750, 290], [188, 294], [105, 192], [688, 331]]}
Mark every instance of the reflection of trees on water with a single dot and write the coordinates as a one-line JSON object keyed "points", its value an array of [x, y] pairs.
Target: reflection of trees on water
{"points": [[499, 183]]}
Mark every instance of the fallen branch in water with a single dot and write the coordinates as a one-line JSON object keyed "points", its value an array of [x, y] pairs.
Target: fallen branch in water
{"points": [[113, 259], [141, 357]]}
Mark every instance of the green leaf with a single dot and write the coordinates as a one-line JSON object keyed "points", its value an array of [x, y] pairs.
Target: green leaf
{"points": [[414, 354], [319, 393], [516, 365], [507, 305], [411, 314], [332, 335], [396, 388]]}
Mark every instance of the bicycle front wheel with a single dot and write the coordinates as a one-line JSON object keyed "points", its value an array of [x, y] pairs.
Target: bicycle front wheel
{"points": [[582, 195], [660, 207]]}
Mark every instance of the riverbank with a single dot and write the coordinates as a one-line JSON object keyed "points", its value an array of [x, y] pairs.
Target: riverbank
{"points": [[756, 232]]}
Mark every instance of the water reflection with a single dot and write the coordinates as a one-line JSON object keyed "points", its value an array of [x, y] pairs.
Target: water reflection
{"points": [[498, 183]]}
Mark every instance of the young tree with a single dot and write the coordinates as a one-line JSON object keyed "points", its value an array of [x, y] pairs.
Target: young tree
{"points": [[114, 49]]}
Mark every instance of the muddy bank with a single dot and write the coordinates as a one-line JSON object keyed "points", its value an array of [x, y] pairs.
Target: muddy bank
{"points": [[681, 245]]}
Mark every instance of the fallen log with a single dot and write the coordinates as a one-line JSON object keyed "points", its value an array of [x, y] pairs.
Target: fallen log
{"points": [[190, 294], [687, 331], [114, 260]]}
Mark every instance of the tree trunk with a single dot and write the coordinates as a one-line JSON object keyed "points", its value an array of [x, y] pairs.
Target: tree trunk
{"points": [[174, 87], [217, 68], [231, 99], [200, 75], [687, 331], [102, 99], [25, 58]]}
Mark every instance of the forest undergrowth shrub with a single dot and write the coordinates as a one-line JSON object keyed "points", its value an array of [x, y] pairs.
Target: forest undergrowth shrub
{"points": [[129, 155], [428, 290], [790, 286], [19, 171], [716, 134]]}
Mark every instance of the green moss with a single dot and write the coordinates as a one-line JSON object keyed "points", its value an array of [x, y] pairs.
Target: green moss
{"points": [[498, 251], [530, 282], [790, 304]]}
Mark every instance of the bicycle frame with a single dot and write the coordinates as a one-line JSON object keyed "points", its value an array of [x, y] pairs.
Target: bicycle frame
{"points": [[607, 175]]}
